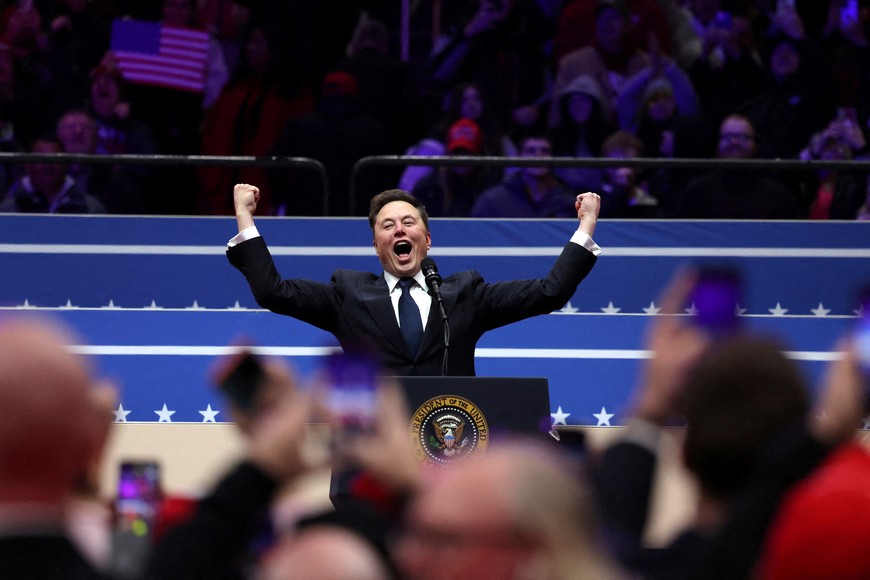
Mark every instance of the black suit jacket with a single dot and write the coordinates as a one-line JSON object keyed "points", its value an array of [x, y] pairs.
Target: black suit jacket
{"points": [[624, 475], [356, 307], [44, 558]]}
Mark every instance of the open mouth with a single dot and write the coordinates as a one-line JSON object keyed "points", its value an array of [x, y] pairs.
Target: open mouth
{"points": [[402, 248]]}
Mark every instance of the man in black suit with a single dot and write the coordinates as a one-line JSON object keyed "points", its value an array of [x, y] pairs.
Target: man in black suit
{"points": [[364, 308]]}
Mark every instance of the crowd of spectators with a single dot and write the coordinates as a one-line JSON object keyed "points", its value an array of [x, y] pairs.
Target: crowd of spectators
{"points": [[337, 85], [780, 470]]}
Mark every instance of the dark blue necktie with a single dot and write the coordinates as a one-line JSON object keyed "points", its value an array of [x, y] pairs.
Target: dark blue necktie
{"points": [[409, 316]]}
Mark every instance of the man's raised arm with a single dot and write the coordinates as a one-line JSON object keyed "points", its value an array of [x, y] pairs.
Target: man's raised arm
{"points": [[588, 205], [245, 199]]}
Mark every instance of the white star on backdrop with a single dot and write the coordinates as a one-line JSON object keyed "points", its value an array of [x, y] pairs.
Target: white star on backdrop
{"points": [[165, 415], [821, 310], [778, 311], [121, 414], [559, 416], [208, 415], [603, 418]]}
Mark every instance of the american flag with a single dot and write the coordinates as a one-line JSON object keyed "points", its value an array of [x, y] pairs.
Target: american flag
{"points": [[152, 53]]}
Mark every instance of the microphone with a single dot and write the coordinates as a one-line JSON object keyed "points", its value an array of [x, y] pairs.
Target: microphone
{"points": [[433, 278], [433, 281]]}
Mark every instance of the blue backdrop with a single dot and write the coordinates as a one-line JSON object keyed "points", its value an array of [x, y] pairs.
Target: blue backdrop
{"points": [[156, 302]]}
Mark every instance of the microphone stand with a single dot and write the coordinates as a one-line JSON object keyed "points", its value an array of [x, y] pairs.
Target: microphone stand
{"points": [[446, 332], [433, 280]]}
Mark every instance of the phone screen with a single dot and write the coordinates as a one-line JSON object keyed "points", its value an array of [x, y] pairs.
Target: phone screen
{"points": [[849, 12], [723, 20], [352, 380], [138, 496], [243, 381], [716, 297], [135, 512]]}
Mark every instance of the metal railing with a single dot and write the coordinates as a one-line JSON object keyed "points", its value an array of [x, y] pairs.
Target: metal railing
{"points": [[367, 163], [603, 162], [177, 160]]}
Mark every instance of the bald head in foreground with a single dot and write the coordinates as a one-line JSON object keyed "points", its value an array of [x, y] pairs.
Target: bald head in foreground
{"points": [[52, 432], [520, 510]]}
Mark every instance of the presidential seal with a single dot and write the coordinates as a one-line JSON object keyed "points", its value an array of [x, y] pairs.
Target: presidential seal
{"points": [[447, 428]]}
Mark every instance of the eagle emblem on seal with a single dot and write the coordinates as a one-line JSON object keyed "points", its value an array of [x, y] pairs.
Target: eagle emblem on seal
{"points": [[448, 430]]}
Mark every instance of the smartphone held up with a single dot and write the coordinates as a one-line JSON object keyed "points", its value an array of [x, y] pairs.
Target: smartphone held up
{"points": [[135, 513], [716, 298], [242, 379]]}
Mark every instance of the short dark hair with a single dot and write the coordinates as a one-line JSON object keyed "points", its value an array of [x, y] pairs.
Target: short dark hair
{"points": [[741, 395], [380, 200], [533, 133], [44, 137], [622, 141]]}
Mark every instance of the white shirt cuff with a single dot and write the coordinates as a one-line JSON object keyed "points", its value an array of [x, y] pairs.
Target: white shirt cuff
{"points": [[583, 239], [246, 234]]}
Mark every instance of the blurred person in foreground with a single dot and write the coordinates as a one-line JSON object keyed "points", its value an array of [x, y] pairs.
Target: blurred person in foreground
{"points": [[749, 437], [326, 552], [519, 510], [53, 428], [823, 527], [224, 536], [365, 308]]}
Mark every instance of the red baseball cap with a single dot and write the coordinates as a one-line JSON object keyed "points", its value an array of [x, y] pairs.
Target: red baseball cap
{"points": [[465, 135]]}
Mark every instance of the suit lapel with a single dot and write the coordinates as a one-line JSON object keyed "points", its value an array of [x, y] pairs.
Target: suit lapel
{"points": [[376, 297], [434, 326]]}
